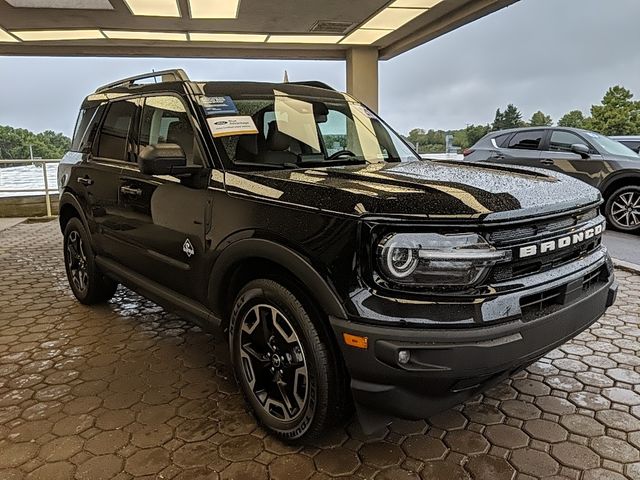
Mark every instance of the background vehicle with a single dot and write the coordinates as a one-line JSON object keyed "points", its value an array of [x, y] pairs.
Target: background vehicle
{"points": [[606, 164], [631, 141], [341, 266]]}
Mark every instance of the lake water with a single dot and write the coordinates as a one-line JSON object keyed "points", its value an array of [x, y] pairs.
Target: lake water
{"points": [[28, 177]]}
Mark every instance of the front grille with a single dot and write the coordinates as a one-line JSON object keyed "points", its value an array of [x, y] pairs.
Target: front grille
{"points": [[540, 228], [549, 301], [517, 237], [543, 263]]}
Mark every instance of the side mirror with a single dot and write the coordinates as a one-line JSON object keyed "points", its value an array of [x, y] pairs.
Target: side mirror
{"points": [[162, 159], [581, 149]]}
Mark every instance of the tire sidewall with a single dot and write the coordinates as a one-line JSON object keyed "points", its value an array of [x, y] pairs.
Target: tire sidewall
{"points": [[609, 205], [255, 294], [76, 225]]}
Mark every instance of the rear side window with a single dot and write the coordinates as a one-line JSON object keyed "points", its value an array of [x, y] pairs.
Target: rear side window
{"points": [[501, 140], [635, 146], [86, 118], [529, 140], [562, 141], [115, 130]]}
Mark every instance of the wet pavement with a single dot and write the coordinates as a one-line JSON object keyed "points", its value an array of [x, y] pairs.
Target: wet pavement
{"points": [[127, 390]]}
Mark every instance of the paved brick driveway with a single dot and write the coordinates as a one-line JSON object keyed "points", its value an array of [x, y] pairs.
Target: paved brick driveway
{"points": [[128, 390]]}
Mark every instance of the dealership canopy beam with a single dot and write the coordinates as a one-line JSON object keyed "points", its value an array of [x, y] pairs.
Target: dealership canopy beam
{"points": [[356, 31]]}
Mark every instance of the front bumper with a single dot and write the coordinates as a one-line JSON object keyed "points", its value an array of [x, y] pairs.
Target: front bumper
{"points": [[447, 366]]}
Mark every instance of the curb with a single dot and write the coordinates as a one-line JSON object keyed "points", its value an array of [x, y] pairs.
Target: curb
{"points": [[627, 266]]}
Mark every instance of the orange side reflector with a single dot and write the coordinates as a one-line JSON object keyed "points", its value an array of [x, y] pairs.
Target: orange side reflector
{"points": [[355, 341]]}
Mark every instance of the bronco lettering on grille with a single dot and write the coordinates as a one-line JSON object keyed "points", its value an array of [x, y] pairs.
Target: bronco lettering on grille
{"points": [[560, 243]]}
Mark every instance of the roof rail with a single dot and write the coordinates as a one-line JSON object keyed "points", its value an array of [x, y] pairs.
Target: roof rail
{"points": [[314, 83], [177, 74]]}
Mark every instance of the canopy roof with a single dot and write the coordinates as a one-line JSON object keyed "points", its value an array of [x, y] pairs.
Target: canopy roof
{"points": [[322, 29]]}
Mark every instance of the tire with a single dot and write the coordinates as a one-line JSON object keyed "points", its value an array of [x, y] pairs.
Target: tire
{"points": [[87, 283], [623, 209], [276, 346]]}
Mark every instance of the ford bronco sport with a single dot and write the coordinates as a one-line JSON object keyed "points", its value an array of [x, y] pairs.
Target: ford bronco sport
{"points": [[345, 270]]}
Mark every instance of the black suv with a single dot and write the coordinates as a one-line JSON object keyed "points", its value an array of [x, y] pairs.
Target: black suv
{"points": [[606, 164], [345, 270]]}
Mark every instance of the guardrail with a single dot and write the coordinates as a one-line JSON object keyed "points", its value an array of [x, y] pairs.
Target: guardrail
{"points": [[42, 163]]}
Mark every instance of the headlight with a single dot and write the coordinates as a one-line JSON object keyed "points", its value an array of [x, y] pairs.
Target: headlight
{"points": [[434, 260]]}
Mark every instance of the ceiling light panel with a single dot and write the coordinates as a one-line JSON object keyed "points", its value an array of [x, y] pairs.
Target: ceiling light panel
{"points": [[142, 35], [393, 18], [154, 8], [214, 8], [227, 37], [56, 35], [318, 39], [71, 4], [415, 3], [5, 37], [365, 36]]}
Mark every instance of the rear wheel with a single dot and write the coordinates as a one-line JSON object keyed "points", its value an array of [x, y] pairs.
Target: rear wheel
{"points": [[283, 363], [623, 209], [87, 283]]}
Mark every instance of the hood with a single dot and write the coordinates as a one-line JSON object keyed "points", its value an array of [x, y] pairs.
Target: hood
{"points": [[443, 190]]}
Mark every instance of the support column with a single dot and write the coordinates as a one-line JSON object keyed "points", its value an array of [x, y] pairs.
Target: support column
{"points": [[362, 75]]}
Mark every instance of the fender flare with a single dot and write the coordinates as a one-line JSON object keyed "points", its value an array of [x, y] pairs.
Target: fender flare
{"points": [[68, 198], [617, 177], [292, 261]]}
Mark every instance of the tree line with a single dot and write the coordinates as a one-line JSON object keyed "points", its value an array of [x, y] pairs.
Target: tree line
{"points": [[617, 114], [15, 143]]}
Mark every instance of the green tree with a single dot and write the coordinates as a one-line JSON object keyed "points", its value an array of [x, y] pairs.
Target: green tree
{"points": [[618, 114], [15, 143], [573, 119], [475, 133], [510, 118], [539, 119]]}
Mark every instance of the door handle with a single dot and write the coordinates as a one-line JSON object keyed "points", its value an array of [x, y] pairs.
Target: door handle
{"points": [[136, 192], [85, 180], [546, 161], [499, 156]]}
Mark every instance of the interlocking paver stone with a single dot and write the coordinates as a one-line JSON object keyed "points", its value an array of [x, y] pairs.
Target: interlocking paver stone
{"points": [[506, 436], [494, 468], [615, 449], [534, 462], [575, 456], [582, 425], [128, 390], [381, 454], [545, 430], [424, 448]]}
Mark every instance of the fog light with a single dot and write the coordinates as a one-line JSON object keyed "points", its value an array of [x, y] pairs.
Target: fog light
{"points": [[403, 357]]}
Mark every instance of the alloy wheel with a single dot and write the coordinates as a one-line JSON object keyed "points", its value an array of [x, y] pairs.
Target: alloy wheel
{"points": [[77, 261], [625, 209], [273, 362]]}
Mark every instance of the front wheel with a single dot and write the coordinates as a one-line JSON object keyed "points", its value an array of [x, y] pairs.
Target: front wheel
{"points": [[283, 363], [623, 209], [87, 283]]}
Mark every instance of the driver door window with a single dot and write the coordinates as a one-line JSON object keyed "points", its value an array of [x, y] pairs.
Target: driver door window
{"points": [[165, 120], [562, 141]]}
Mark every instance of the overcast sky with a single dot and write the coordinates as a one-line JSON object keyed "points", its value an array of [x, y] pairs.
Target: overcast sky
{"points": [[553, 55]]}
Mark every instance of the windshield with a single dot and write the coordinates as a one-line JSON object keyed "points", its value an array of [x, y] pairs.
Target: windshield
{"points": [[286, 131], [611, 146]]}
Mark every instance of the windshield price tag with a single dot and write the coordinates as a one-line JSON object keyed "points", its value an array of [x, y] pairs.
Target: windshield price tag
{"points": [[228, 126], [223, 105]]}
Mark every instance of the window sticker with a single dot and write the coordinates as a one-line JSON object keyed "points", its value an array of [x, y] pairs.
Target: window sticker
{"points": [[222, 105], [228, 126]]}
